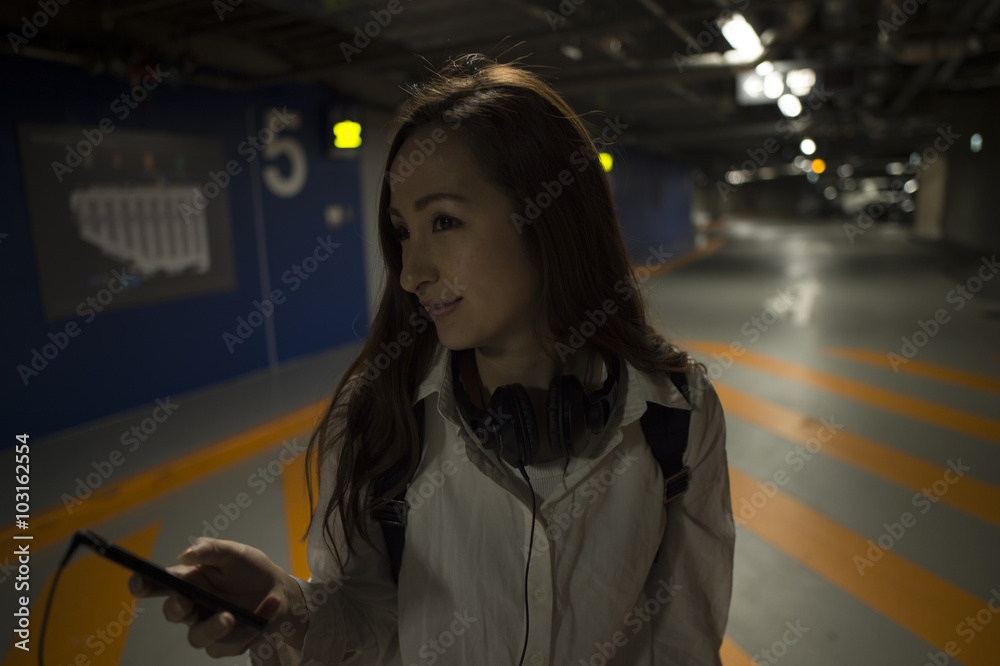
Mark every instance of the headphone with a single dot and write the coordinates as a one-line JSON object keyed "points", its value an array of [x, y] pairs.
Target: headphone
{"points": [[510, 426]]}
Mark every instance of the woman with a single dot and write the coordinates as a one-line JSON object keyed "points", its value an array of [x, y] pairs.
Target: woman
{"points": [[499, 232]]}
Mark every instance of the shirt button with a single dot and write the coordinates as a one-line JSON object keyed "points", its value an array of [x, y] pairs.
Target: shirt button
{"points": [[540, 594], [537, 659]]}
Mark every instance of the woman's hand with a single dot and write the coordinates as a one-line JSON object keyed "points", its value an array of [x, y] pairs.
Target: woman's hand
{"points": [[242, 574]]}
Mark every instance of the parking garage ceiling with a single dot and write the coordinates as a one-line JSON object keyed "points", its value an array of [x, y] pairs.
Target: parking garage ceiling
{"points": [[664, 66]]}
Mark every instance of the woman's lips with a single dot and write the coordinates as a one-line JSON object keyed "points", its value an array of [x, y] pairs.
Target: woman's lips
{"points": [[437, 312]]}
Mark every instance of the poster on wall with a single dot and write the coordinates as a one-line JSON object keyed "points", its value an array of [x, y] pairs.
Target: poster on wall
{"points": [[133, 211]]}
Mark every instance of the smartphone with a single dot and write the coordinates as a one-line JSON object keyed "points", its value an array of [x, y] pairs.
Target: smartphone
{"points": [[158, 574]]}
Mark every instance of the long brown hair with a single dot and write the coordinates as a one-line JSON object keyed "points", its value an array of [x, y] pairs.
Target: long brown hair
{"points": [[524, 136]]}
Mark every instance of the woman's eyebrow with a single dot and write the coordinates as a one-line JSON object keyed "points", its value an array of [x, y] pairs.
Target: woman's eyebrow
{"points": [[428, 199]]}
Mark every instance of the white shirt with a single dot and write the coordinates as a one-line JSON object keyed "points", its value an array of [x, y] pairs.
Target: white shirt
{"points": [[594, 592]]}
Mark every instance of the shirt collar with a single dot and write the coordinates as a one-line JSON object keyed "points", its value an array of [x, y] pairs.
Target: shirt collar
{"points": [[642, 388]]}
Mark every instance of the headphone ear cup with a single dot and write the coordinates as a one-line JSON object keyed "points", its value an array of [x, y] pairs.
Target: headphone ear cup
{"points": [[567, 414], [518, 432]]}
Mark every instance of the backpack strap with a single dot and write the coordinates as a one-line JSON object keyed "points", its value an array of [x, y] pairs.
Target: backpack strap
{"points": [[393, 515], [666, 432]]}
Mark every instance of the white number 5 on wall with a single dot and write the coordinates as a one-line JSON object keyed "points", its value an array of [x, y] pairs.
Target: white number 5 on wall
{"points": [[279, 184]]}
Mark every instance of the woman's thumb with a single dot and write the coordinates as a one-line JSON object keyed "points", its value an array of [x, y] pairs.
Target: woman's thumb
{"points": [[269, 608], [197, 551]]}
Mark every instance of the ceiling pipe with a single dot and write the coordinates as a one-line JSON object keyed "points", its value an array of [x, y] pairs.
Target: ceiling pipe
{"points": [[799, 15], [963, 23], [656, 10], [892, 20]]}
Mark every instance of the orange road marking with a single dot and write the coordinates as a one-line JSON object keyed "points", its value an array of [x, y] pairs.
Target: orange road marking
{"points": [[297, 514], [968, 494], [688, 257], [911, 596], [941, 373], [92, 612], [732, 654], [914, 408], [51, 525]]}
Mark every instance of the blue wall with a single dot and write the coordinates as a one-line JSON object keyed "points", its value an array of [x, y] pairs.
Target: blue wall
{"points": [[129, 357], [125, 358], [653, 198]]}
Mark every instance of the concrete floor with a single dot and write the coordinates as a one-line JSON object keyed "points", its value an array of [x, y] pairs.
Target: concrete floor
{"points": [[795, 324]]}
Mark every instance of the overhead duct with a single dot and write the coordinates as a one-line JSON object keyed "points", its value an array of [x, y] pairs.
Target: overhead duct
{"points": [[892, 22]]}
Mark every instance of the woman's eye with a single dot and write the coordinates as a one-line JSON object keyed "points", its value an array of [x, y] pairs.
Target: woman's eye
{"points": [[446, 222], [443, 221]]}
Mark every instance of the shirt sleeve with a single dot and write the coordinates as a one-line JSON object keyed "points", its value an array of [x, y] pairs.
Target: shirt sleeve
{"points": [[353, 612], [699, 541]]}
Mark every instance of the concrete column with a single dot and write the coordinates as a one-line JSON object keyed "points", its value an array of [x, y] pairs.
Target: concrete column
{"points": [[930, 200]]}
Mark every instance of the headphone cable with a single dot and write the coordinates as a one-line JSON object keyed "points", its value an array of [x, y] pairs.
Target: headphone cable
{"points": [[527, 566], [531, 540], [76, 541]]}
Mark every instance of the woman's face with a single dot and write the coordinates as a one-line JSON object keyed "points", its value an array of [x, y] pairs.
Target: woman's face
{"points": [[459, 243]]}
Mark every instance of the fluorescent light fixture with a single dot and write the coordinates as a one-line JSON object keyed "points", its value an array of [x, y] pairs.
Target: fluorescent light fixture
{"points": [[774, 85], [800, 81], [742, 37], [571, 52], [790, 105], [735, 177], [754, 86]]}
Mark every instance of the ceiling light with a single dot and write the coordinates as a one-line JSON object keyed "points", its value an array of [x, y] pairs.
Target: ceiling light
{"points": [[734, 177], [790, 105], [742, 37], [808, 146], [571, 52], [774, 86], [800, 81], [753, 86]]}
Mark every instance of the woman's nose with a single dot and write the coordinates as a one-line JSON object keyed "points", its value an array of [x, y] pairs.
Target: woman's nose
{"points": [[418, 269]]}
